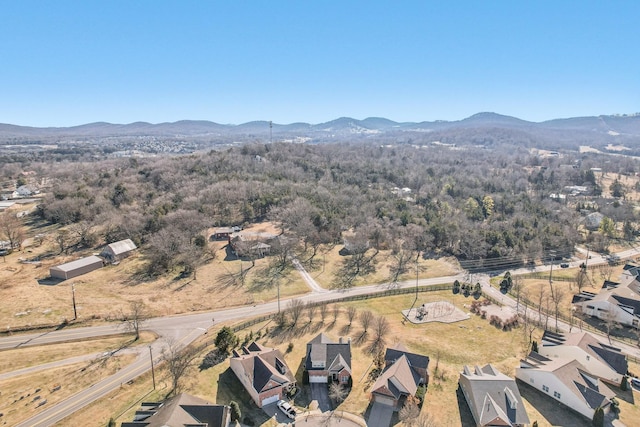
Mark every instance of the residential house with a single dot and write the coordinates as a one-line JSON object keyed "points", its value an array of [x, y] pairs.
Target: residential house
{"points": [[25, 191], [354, 244], [223, 233], [616, 301], [263, 372], [9, 194], [604, 361], [567, 381], [182, 410], [253, 244], [493, 397], [327, 360], [404, 372], [117, 251], [76, 268]]}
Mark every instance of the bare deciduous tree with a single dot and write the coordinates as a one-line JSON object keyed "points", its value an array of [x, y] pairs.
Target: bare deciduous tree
{"points": [[135, 319], [381, 329], [324, 308], [582, 279], [365, 320], [410, 412], [605, 271], [311, 311], [337, 393], [179, 361], [295, 308], [11, 228], [351, 314], [557, 295], [335, 312]]}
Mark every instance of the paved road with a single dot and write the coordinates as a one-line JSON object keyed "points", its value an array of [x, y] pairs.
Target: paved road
{"points": [[182, 330]]}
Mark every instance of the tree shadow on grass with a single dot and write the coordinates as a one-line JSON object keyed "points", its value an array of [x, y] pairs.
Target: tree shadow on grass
{"points": [[361, 339], [345, 329]]}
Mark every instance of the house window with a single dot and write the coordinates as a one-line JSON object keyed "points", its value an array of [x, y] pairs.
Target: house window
{"points": [[588, 357], [603, 309], [545, 389], [344, 379], [556, 395], [590, 307]]}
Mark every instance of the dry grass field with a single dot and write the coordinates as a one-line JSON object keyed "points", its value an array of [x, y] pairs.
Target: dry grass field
{"points": [[21, 396], [106, 293], [332, 261]]}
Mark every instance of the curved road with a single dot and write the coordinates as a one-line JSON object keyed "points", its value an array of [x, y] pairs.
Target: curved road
{"points": [[185, 329]]}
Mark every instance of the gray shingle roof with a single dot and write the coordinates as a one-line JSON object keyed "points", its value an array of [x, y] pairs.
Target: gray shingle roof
{"points": [[181, 411], [335, 355]]}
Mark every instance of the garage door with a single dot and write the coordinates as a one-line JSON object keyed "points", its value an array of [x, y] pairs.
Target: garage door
{"points": [[271, 399], [385, 400], [317, 379]]}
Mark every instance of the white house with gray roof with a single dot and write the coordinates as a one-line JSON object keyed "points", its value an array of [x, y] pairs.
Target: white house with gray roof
{"points": [[619, 301], [493, 397], [604, 361], [567, 381]]}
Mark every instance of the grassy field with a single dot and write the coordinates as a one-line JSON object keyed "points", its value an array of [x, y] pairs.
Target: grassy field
{"points": [[329, 264], [20, 358]]}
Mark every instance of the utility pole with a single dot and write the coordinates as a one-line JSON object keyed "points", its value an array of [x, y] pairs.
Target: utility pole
{"points": [[73, 299], [270, 132], [153, 374]]}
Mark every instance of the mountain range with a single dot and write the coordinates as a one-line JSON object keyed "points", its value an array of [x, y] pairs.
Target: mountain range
{"points": [[609, 129]]}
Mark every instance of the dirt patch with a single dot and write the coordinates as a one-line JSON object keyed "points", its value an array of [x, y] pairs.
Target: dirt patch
{"points": [[440, 311]]}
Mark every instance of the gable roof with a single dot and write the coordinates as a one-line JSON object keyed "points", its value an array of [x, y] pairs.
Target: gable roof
{"points": [[263, 365], [336, 356], [415, 360], [397, 379], [495, 397], [588, 388], [79, 263], [121, 247], [182, 410], [609, 355]]}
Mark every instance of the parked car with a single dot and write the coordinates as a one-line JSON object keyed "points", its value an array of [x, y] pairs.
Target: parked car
{"points": [[635, 382], [287, 409], [564, 265]]}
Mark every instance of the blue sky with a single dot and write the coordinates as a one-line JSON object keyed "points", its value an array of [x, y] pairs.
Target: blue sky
{"points": [[71, 62]]}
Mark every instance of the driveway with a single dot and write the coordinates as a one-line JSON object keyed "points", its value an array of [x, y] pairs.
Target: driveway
{"points": [[320, 393], [272, 409], [380, 415]]}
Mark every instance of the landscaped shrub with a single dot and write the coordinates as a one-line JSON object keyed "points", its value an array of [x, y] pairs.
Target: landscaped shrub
{"points": [[211, 359], [235, 411]]}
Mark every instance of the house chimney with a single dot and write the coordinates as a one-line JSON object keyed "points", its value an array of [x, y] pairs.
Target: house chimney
{"points": [[341, 340]]}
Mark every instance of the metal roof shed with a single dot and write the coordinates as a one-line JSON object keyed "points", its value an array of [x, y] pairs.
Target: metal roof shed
{"points": [[76, 268], [118, 250]]}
